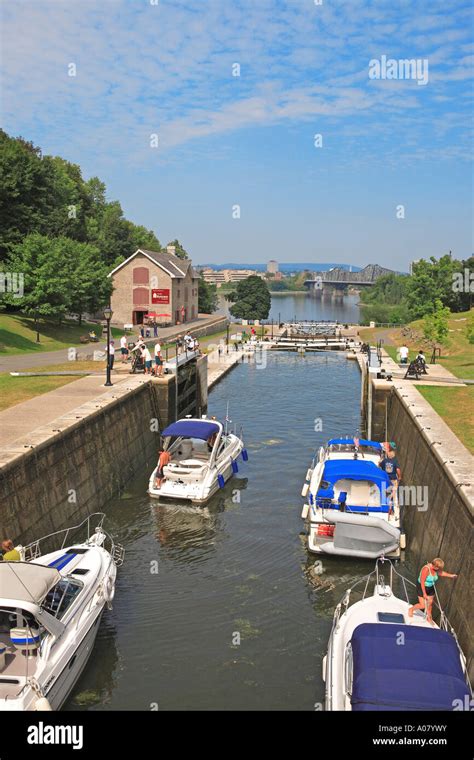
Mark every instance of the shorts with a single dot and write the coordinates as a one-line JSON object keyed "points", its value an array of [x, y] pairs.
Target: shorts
{"points": [[148, 364], [124, 351], [158, 361], [429, 590]]}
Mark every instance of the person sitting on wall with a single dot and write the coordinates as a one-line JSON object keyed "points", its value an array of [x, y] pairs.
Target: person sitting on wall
{"points": [[10, 554], [93, 337], [164, 458]]}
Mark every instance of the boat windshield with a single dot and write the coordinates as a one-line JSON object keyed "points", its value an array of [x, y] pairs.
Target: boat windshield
{"points": [[61, 596]]}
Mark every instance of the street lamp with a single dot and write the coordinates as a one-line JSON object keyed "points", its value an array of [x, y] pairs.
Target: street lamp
{"points": [[108, 316]]}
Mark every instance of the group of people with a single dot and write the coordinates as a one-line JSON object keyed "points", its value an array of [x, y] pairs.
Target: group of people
{"points": [[186, 343], [404, 353], [153, 363]]}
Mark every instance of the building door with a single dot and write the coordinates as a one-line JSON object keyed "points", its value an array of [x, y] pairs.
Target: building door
{"points": [[138, 317]]}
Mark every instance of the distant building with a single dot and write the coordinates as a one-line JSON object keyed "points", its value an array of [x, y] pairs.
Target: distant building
{"points": [[154, 281], [272, 266], [220, 276]]}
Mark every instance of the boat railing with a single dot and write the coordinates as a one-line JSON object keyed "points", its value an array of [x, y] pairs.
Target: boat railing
{"points": [[84, 532]]}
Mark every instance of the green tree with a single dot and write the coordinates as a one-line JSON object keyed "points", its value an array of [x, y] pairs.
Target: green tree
{"points": [[436, 324], [207, 296], [180, 252], [251, 299]]}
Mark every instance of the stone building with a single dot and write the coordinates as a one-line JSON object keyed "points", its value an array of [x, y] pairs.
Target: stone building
{"points": [[154, 282]]}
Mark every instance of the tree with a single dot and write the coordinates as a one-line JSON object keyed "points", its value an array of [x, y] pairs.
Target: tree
{"points": [[251, 299], [436, 324], [180, 252], [61, 276], [207, 296]]}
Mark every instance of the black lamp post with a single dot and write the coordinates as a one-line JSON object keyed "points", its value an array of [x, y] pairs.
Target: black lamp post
{"points": [[108, 316], [227, 338]]}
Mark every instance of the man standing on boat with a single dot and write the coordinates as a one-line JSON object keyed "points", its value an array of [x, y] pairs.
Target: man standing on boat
{"points": [[389, 464], [425, 586]]}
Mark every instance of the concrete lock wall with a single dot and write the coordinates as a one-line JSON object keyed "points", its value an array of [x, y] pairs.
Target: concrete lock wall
{"points": [[445, 528], [73, 473], [431, 457]]}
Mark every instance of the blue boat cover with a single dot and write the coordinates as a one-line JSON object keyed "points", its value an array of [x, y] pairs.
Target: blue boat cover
{"points": [[354, 469], [192, 429], [350, 441], [422, 673]]}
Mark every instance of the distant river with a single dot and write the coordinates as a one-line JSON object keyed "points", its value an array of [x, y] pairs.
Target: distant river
{"points": [[287, 306]]}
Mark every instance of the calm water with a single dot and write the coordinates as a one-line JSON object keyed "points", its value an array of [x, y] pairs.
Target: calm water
{"points": [[287, 306], [237, 566]]}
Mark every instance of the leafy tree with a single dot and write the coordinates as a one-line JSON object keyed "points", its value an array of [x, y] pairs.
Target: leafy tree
{"points": [[180, 252], [436, 324], [251, 299], [207, 296], [61, 276]]}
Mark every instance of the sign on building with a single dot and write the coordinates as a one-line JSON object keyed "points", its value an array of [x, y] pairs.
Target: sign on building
{"points": [[160, 295]]}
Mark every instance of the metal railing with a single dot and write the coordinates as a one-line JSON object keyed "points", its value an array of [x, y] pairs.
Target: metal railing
{"points": [[51, 542]]}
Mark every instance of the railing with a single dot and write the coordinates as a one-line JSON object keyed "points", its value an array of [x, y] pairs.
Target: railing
{"points": [[44, 544]]}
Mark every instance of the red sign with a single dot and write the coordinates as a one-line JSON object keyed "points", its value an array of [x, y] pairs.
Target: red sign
{"points": [[159, 295]]}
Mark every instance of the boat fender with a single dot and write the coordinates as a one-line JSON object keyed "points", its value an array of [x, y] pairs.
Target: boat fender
{"points": [[403, 541], [307, 481], [325, 658], [43, 705], [109, 589], [245, 455], [235, 466], [304, 490], [304, 513], [220, 480]]}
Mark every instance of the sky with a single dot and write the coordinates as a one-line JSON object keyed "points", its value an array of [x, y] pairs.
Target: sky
{"points": [[202, 119]]}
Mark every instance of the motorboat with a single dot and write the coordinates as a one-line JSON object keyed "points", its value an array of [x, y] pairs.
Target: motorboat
{"points": [[51, 604], [350, 510], [379, 658], [203, 457]]}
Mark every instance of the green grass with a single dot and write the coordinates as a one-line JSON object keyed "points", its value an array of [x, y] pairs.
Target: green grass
{"points": [[14, 390], [18, 335], [456, 407]]}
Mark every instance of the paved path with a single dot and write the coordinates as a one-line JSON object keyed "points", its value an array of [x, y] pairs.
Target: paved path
{"points": [[21, 419], [18, 362]]}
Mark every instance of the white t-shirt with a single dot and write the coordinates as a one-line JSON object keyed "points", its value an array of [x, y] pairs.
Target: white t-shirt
{"points": [[111, 349], [123, 342], [157, 349], [146, 355], [404, 352]]}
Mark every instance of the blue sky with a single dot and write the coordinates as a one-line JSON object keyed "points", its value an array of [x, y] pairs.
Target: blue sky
{"points": [[167, 69]]}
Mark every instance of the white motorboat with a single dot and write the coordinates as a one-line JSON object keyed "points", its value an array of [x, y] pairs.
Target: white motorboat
{"points": [[350, 510], [50, 608], [203, 458], [379, 658]]}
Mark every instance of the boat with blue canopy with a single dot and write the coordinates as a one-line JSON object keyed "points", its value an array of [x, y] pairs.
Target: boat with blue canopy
{"points": [[350, 509], [381, 659], [201, 456]]}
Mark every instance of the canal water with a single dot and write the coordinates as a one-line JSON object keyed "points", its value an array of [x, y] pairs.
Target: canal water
{"points": [[237, 568], [286, 307]]}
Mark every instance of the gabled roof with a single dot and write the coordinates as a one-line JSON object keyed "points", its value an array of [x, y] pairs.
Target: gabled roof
{"points": [[172, 265]]}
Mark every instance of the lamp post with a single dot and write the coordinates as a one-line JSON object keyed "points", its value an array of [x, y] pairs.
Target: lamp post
{"points": [[227, 338], [108, 316]]}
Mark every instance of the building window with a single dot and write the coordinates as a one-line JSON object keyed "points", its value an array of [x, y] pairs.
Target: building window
{"points": [[140, 276], [179, 294], [186, 294], [141, 296]]}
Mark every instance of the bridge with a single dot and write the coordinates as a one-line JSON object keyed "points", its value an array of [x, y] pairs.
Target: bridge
{"points": [[337, 280]]}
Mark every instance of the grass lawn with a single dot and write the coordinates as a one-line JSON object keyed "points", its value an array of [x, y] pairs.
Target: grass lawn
{"points": [[456, 407], [14, 390], [457, 356], [18, 335]]}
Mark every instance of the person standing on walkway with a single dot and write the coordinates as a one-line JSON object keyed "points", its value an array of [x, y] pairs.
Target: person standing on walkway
{"points": [[155, 330], [124, 348], [158, 360], [111, 354], [425, 587], [147, 359], [404, 352]]}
